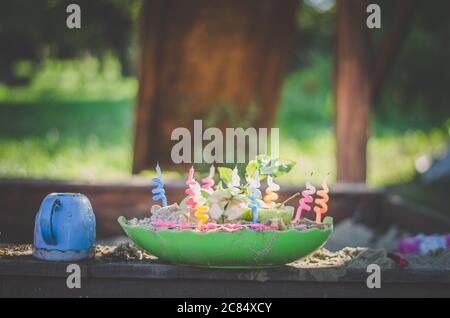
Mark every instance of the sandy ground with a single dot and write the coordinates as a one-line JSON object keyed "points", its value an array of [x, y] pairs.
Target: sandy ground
{"points": [[348, 257], [351, 245]]}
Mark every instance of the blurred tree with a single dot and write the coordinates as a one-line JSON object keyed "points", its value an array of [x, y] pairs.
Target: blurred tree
{"points": [[197, 54], [352, 82], [37, 29], [417, 86], [360, 78], [316, 24]]}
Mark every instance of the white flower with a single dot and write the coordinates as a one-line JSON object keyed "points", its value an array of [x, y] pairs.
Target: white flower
{"points": [[224, 203], [235, 181]]}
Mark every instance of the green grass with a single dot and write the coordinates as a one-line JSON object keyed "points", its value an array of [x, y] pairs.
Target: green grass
{"points": [[75, 119], [88, 79], [66, 140], [391, 159]]}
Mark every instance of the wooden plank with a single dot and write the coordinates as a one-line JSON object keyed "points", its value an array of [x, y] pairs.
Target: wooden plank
{"points": [[31, 278], [22, 286], [156, 269], [20, 200]]}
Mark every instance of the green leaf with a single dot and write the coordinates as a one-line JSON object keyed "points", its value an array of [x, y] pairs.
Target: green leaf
{"points": [[285, 213], [225, 174], [205, 193], [219, 186], [284, 167], [251, 168], [274, 167]]}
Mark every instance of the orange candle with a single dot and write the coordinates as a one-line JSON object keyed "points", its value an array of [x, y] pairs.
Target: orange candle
{"points": [[271, 196], [322, 207]]}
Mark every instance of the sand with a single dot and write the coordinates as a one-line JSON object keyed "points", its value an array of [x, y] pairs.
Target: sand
{"points": [[124, 251], [348, 257], [15, 250]]}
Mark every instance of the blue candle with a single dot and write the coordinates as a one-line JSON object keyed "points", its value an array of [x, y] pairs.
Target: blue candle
{"points": [[254, 204], [159, 193], [253, 196]]}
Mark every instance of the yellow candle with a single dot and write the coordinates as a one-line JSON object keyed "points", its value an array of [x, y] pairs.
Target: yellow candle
{"points": [[200, 213]]}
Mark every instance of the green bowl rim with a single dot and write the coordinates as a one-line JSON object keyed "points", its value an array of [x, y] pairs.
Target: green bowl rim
{"points": [[328, 220]]}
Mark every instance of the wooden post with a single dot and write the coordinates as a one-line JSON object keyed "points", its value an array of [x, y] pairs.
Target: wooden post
{"points": [[200, 53], [353, 97]]}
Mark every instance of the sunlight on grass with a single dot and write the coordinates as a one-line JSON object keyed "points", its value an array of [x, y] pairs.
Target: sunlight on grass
{"points": [[313, 156], [74, 121], [38, 158], [391, 158], [87, 79]]}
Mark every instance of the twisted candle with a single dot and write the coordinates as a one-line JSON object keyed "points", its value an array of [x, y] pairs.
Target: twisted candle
{"points": [[254, 204], [159, 193], [322, 202], [305, 200], [193, 189], [271, 196], [208, 182], [200, 213]]}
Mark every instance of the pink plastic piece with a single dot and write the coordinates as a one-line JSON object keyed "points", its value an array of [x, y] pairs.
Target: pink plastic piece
{"points": [[232, 226], [262, 226], [160, 223], [210, 226]]}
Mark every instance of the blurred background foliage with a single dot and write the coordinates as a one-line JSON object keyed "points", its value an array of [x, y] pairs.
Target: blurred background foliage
{"points": [[67, 96]]}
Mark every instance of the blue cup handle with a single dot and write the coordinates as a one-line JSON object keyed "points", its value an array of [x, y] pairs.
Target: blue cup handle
{"points": [[46, 218]]}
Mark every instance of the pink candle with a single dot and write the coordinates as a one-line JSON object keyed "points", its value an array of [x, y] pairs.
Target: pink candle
{"points": [[191, 191], [305, 200], [208, 182]]}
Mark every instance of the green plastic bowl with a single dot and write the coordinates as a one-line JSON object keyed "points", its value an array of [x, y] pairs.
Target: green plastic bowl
{"points": [[245, 248]]}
